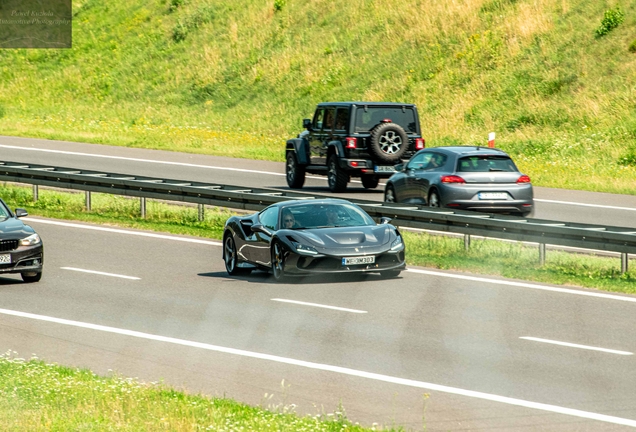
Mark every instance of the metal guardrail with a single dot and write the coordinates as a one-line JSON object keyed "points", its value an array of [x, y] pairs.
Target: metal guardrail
{"points": [[600, 237]]}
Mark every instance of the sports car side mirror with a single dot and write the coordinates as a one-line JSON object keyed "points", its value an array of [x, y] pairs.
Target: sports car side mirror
{"points": [[20, 213], [385, 220], [260, 228]]}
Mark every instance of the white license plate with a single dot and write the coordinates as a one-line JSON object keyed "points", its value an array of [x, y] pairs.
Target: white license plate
{"points": [[493, 195], [358, 260], [5, 258], [383, 168]]}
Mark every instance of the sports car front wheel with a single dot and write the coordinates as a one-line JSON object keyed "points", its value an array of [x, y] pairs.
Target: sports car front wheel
{"points": [[278, 261]]}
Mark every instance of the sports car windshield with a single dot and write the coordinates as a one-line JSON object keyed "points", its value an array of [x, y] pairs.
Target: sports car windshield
{"points": [[317, 215]]}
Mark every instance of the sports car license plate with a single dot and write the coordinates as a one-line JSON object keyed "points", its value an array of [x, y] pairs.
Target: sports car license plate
{"points": [[5, 259], [358, 260], [493, 195], [383, 168]]}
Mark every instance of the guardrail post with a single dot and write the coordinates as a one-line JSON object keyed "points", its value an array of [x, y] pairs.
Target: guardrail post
{"points": [[36, 194], [541, 253], [466, 242], [88, 200], [624, 262], [142, 207], [201, 212]]}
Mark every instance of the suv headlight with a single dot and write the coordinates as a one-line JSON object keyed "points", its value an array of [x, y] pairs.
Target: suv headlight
{"points": [[31, 240], [397, 244], [304, 249]]}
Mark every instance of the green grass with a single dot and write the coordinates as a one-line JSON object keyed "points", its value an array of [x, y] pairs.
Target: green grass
{"points": [[490, 257], [39, 396], [236, 78]]}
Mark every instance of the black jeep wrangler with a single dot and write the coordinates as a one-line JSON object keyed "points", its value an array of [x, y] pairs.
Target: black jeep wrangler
{"points": [[353, 139]]}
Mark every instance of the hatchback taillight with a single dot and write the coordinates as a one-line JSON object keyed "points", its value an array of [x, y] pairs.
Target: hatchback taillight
{"points": [[419, 143], [452, 179], [351, 142], [523, 179]]}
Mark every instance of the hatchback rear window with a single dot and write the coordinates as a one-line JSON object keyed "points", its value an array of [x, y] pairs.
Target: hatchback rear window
{"points": [[486, 164]]}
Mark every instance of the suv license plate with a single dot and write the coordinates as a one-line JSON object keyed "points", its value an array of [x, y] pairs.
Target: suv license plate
{"points": [[5, 259], [383, 168], [358, 260], [493, 195]]}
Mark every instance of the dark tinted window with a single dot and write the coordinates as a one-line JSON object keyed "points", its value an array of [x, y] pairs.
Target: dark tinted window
{"points": [[367, 120], [269, 217], [330, 114], [342, 119], [313, 215], [487, 163]]}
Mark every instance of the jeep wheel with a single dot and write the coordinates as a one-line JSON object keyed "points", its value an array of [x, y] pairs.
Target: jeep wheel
{"points": [[388, 142], [336, 177], [370, 181], [295, 172]]}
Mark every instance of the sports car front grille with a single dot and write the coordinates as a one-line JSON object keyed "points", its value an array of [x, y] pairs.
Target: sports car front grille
{"points": [[8, 245]]}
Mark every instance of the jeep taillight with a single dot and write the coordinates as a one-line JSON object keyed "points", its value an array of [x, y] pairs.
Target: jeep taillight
{"points": [[351, 142], [419, 143]]}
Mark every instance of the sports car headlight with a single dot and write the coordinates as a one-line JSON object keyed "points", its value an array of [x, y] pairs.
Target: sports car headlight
{"points": [[397, 244], [31, 240], [304, 249]]}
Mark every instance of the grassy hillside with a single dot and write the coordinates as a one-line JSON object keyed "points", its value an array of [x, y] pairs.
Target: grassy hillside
{"points": [[237, 77]]}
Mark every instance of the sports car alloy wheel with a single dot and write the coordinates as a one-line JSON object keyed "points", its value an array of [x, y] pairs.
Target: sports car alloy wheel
{"points": [[31, 276], [278, 261], [229, 255]]}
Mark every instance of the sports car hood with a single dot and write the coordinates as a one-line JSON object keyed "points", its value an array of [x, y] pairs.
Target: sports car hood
{"points": [[11, 229], [372, 237]]}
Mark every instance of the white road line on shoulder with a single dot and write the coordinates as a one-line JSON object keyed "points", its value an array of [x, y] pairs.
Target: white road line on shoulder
{"points": [[100, 273], [585, 205], [525, 285], [331, 368], [121, 231], [319, 305], [141, 160], [572, 345]]}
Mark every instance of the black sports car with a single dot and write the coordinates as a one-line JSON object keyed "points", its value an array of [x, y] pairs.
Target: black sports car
{"points": [[304, 237], [21, 249]]}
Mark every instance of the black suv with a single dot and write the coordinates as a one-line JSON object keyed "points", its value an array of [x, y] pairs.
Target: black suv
{"points": [[353, 139]]}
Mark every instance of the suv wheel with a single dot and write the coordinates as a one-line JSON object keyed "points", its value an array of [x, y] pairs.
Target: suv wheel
{"points": [[336, 177], [388, 142], [295, 172], [370, 181]]}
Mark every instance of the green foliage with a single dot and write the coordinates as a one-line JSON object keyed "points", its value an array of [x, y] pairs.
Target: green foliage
{"points": [[629, 157], [2, 111], [611, 19], [632, 46], [279, 4]]}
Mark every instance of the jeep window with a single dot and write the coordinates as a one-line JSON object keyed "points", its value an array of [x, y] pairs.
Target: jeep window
{"points": [[329, 117], [367, 120], [342, 119], [318, 117]]}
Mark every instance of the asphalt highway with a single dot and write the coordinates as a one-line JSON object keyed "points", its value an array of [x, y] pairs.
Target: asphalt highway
{"points": [[434, 349]]}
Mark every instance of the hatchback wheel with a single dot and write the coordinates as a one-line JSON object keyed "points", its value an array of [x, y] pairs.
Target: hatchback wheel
{"points": [[389, 194], [433, 199]]}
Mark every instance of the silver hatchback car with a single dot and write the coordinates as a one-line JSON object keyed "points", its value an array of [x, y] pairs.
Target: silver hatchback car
{"points": [[462, 177]]}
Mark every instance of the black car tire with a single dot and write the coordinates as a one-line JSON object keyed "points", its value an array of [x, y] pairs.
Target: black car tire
{"points": [[434, 199], [295, 172], [370, 181], [336, 177], [30, 277], [230, 257], [391, 273], [388, 142], [278, 261], [389, 194]]}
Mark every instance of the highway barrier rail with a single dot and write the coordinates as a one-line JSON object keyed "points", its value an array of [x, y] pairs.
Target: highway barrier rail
{"points": [[585, 236]]}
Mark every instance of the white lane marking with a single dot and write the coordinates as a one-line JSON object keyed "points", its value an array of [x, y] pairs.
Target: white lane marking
{"points": [[525, 285], [572, 345], [319, 305], [427, 272], [120, 231], [100, 273], [141, 160], [585, 205], [331, 368]]}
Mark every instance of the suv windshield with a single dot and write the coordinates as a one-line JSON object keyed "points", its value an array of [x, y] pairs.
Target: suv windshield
{"points": [[486, 164], [367, 119]]}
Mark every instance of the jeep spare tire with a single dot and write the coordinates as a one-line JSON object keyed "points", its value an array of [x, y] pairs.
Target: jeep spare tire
{"points": [[388, 142]]}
